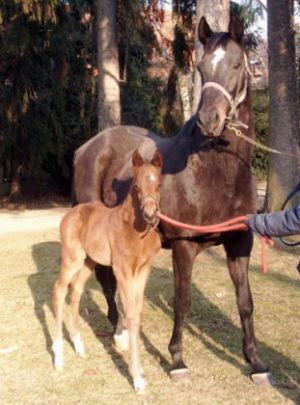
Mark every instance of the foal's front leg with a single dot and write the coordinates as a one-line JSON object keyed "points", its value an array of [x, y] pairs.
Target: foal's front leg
{"points": [[132, 287], [107, 280]]}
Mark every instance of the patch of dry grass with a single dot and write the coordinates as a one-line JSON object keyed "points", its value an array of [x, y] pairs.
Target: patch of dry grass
{"points": [[212, 338]]}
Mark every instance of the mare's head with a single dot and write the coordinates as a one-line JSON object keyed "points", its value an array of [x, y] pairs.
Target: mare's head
{"points": [[224, 72], [147, 183]]}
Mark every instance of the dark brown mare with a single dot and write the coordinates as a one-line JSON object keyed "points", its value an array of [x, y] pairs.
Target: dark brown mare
{"points": [[206, 179], [123, 237]]}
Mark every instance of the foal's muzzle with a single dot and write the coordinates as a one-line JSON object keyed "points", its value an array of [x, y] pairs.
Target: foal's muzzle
{"points": [[150, 208]]}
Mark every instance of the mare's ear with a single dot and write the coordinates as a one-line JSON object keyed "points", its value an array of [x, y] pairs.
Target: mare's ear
{"points": [[157, 159], [236, 29], [204, 31], [137, 159]]}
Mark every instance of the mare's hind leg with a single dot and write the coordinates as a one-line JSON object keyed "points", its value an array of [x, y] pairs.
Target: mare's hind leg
{"points": [[184, 254], [107, 280], [77, 287], [238, 249]]}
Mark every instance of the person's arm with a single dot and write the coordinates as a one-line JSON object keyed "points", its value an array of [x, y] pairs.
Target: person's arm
{"points": [[280, 223]]}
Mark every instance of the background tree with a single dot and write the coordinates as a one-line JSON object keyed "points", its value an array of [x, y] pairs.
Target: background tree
{"points": [[109, 107], [283, 102], [217, 15]]}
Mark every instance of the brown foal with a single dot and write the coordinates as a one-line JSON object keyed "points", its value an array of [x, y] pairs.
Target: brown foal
{"points": [[123, 237]]}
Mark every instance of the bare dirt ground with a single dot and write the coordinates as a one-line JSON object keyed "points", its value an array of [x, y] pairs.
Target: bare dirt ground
{"points": [[22, 220]]}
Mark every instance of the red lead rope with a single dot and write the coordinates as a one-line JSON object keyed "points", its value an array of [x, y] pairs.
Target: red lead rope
{"points": [[234, 224]]}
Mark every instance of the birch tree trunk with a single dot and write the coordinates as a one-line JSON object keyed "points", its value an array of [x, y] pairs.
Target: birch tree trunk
{"points": [[284, 172], [109, 106]]}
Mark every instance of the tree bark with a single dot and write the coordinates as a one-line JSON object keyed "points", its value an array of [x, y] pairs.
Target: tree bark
{"points": [[109, 107], [284, 171], [217, 15]]}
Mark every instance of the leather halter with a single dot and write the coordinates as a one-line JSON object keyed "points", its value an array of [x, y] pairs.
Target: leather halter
{"points": [[239, 98], [146, 198]]}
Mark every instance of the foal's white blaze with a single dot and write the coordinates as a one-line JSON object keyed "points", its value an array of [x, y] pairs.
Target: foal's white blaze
{"points": [[151, 177], [217, 56]]}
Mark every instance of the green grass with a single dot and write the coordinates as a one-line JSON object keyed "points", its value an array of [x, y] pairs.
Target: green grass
{"points": [[212, 336]]}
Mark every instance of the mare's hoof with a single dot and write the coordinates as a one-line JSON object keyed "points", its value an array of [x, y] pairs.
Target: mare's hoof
{"points": [[140, 385], [122, 341], [181, 375], [263, 378]]}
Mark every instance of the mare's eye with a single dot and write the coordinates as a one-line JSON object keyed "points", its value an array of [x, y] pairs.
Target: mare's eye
{"points": [[236, 66]]}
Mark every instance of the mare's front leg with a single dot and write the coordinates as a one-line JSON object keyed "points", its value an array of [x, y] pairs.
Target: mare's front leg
{"points": [[183, 254], [107, 280], [238, 249]]}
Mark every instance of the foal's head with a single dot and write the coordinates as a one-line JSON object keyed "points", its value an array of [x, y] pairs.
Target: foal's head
{"points": [[146, 183], [224, 71]]}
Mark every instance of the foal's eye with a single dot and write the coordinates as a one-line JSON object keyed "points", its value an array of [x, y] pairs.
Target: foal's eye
{"points": [[236, 66]]}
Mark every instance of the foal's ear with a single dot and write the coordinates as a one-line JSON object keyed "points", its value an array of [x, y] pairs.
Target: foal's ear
{"points": [[236, 29], [137, 159], [204, 31], [157, 159]]}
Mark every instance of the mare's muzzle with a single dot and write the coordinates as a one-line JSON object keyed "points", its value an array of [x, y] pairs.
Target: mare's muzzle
{"points": [[215, 109]]}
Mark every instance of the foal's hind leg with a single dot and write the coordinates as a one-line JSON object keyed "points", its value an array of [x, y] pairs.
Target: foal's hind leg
{"points": [[77, 287], [58, 298], [238, 250]]}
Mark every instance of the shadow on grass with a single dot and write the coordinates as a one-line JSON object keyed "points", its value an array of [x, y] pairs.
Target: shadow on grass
{"points": [[216, 331], [272, 276], [46, 256]]}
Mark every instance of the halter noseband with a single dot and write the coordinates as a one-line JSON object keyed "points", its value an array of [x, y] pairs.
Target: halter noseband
{"points": [[233, 102], [146, 198]]}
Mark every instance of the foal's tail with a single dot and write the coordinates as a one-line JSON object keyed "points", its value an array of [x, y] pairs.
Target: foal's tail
{"points": [[89, 172]]}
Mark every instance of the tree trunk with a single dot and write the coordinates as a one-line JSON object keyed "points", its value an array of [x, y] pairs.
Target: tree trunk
{"points": [[283, 115], [184, 94], [109, 108], [217, 15]]}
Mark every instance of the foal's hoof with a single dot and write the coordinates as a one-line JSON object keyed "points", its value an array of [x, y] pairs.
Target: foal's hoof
{"points": [[57, 349], [140, 385], [58, 364], [262, 378], [79, 346], [181, 375], [122, 341]]}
